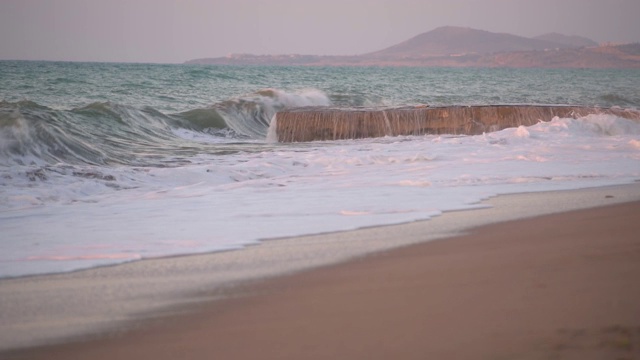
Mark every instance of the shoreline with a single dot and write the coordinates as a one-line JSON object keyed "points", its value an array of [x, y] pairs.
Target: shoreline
{"points": [[88, 304]]}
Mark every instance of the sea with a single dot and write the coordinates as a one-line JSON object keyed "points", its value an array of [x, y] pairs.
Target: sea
{"points": [[106, 163]]}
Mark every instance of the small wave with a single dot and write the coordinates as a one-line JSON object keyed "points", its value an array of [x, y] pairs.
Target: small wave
{"points": [[597, 125], [100, 110], [608, 125], [198, 71], [66, 80], [356, 100], [251, 115], [619, 100], [248, 115], [201, 119]]}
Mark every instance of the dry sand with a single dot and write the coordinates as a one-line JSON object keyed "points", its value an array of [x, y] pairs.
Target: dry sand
{"points": [[559, 286]]}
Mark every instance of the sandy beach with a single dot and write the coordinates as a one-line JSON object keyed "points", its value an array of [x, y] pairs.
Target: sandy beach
{"points": [[556, 286], [237, 180]]}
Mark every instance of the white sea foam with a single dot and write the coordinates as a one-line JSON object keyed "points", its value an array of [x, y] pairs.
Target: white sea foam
{"points": [[227, 202]]}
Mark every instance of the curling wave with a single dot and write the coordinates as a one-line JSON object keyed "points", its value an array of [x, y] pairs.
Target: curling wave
{"points": [[105, 133]]}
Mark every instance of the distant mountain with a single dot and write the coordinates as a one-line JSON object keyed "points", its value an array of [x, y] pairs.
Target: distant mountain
{"points": [[451, 40], [464, 47], [568, 41]]}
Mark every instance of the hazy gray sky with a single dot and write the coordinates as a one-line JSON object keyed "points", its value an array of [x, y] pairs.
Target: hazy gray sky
{"points": [[179, 30]]}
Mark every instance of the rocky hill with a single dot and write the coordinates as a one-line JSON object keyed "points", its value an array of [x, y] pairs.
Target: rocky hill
{"points": [[451, 40], [464, 47]]}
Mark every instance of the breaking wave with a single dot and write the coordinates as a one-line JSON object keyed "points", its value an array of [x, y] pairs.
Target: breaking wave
{"points": [[103, 133]]}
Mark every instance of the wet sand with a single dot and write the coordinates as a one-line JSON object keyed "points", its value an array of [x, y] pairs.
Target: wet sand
{"points": [[561, 286]]}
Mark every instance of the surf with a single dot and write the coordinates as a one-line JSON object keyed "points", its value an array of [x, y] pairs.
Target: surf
{"points": [[107, 133]]}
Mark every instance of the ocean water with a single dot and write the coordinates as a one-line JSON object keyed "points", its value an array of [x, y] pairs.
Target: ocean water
{"points": [[108, 163]]}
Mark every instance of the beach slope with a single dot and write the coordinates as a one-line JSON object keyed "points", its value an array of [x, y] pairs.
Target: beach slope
{"points": [[561, 286]]}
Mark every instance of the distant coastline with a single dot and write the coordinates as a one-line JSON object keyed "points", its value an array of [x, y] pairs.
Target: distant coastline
{"points": [[465, 47]]}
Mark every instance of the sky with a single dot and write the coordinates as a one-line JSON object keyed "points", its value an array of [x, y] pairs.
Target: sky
{"points": [[173, 31]]}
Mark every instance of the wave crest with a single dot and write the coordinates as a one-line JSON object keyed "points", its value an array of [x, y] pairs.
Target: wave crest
{"points": [[251, 115], [103, 133]]}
